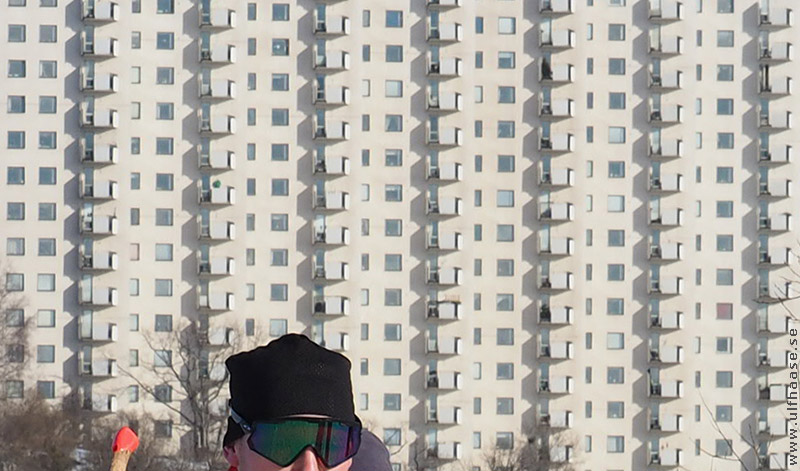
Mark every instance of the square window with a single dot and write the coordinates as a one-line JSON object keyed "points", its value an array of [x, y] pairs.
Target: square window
{"points": [[506, 94], [615, 444], [505, 129], [615, 306], [505, 337], [165, 75], [16, 68], [506, 60], [163, 287], [394, 123], [505, 267], [280, 116], [164, 182], [615, 341], [724, 414], [392, 332], [279, 222], [391, 367], [724, 379], [393, 227], [505, 233], [278, 327], [616, 135], [165, 6], [165, 40], [394, 88], [280, 82], [505, 406], [724, 6], [45, 282], [616, 32], [391, 402], [724, 106], [505, 198], [616, 272], [16, 140], [724, 174], [505, 163], [616, 66], [392, 297], [724, 277], [616, 410], [47, 175], [394, 53], [46, 318], [15, 246], [164, 146], [506, 25], [15, 211], [15, 176], [279, 152], [724, 344], [163, 323], [280, 12], [505, 371], [724, 38], [16, 33], [616, 203], [394, 19], [16, 104], [393, 157], [46, 389], [45, 354], [47, 211], [615, 375], [616, 101], [724, 209], [505, 302], [724, 243], [393, 262], [163, 217], [163, 252], [725, 73], [48, 69], [280, 47], [616, 169], [165, 111], [279, 292]]}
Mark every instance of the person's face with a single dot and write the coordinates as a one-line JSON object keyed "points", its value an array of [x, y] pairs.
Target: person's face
{"points": [[241, 456]]}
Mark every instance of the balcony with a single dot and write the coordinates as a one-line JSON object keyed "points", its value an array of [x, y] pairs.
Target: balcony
{"points": [[97, 297], [557, 39], [445, 33], [557, 246], [332, 166], [445, 206], [557, 385], [666, 252], [442, 4], [337, 342], [99, 11], [99, 48], [98, 225], [556, 7], [775, 187], [776, 223], [97, 331], [331, 271], [216, 266], [222, 196], [99, 154], [556, 212], [215, 301], [776, 53], [772, 393], [101, 403], [667, 81], [775, 19], [446, 136], [782, 155], [666, 355], [773, 323], [221, 89], [665, 11], [560, 281], [220, 336], [99, 119], [447, 276], [773, 462], [670, 217], [556, 109], [666, 423], [216, 231], [557, 419], [445, 451], [666, 46], [331, 235], [557, 74], [445, 310], [667, 148], [557, 351], [445, 240], [775, 87], [445, 68], [220, 124], [557, 143], [773, 292], [444, 346], [98, 190], [332, 201], [331, 131], [443, 380], [667, 457], [447, 415], [668, 285], [216, 160], [98, 261], [445, 101], [667, 321], [332, 61], [668, 114], [556, 315], [330, 95], [218, 54], [333, 25], [667, 389], [666, 183], [775, 121], [331, 306], [772, 358], [99, 83], [217, 18], [106, 368], [445, 172]]}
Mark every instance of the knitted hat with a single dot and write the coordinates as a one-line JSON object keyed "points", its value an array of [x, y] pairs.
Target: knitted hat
{"points": [[290, 376]]}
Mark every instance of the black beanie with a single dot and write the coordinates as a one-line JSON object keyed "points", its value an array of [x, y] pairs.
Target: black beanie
{"points": [[290, 376]]}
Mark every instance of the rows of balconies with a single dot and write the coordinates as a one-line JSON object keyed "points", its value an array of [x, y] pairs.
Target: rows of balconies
{"points": [[445, 172], [215, 300], [775, 223], [444, 450], [443, 380], [443, 345], [666, 285], [560, 281], [557, 143], [221, 196], [217, 54], [98, 47], [772, 392], [97, 331], [665, 46], [666, 81], [330, 95], [211, 160], [105, 403], [666, 252], [669, 389], [555, 212], [776, 18], [330, 306], [98, 118], [445, 33], [331, 61], [217, 18], [332, 166], [94, 224], [556, 246], [330, 271], [98, 260], [666, 217], [218, 231], [666, 183], [556, 351], [557, 419], [556, 109], [105, 368], [666, 457], [444, 310], [772, 323], [331, 130], [444, 206], [444, 276], [221, 88], [338, 342], [665, 11], [772, 358], [556, 7], [666, 354], [448, 240], [774, 462], [216, 266], [99, 11], [443, 415], [557, 385], [667, 320], [775, 120], [775, 87], [331, 25], [666, 423], [442, 4], [555, 315], [445, 101], [776, 53], [98, 189], [97, 297], [99, 83], [445, 136], [445, 67], [666, 148], [98, 154], [556, 74]]}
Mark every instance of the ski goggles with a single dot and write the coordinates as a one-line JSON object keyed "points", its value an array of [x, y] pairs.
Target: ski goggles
{"points": [[282, 441]]}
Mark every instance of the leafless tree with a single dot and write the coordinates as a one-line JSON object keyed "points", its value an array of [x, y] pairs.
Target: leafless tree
{"points": [[537, 449], [14, 331], [190, 360]]}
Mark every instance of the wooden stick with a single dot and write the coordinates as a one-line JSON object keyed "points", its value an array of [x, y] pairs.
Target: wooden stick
{"points": [[125, 443]]}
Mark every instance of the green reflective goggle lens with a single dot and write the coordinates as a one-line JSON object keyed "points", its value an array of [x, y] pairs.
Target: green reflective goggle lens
{"points": [[282, 441]]}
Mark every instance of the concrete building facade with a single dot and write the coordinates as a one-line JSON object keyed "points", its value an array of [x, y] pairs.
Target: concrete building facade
{"points": [[583, 226]]}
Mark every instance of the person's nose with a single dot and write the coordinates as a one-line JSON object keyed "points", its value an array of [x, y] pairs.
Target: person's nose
{"points": [[307, 461]]}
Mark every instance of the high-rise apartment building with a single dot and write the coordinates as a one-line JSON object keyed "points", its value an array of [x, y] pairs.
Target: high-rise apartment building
{"points": [[567, 215]]}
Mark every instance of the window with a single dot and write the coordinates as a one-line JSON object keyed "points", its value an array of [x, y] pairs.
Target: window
{"points": [[724, 243], [47, 247], [165, 6], [504, 440], [391, 367], [615, 375], [616, 101], [505, 129], [47, 104], [724, 344], [616, 66], [16, 68], [616, 32], [279, 152], [505, 302], [165, 111], [724, 209], [15, 246], [278, 292], [393, 228], [506, 94], [16, 33], [724, 106], [15, 176], [394, 19], [394, 53], [724, 174], [725, 73], [393, 262], [165, 40], [505, 233], [163, 252], [15, 211], [163, 217], [280, 47], [616, 203], [251, 46], [724, 38], [724, 277], [164, 146], [615, 444], [393, 157], [391, 401], [392, 436], [365, 18], [164, 182], [724, 414], [616, 169], [278, 327], [506, 25], [505, 406], [165, 75], [394, 88], [394, 123], [505, 267], [280, 12], [505, 198], [616, 272], [16, 139], [279, 257], [724, 379], [45, 354], [616, 410], [615, 306], [163, 287], [280, 116], [506, 60], [162, 358], [615, 341], [616, 135], [48, 69], [724, 6], [505, 336]]}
